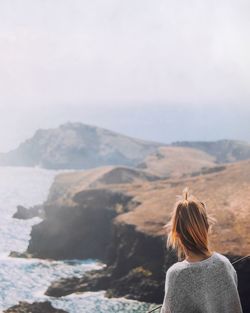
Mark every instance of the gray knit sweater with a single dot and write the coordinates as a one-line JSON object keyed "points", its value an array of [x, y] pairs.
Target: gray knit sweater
{"points": [[208, 286]]}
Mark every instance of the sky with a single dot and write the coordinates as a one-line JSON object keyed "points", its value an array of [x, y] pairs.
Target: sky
{"points": [[159, 70]]}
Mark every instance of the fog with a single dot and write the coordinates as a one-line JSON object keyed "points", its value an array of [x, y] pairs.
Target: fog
{"points": [[142, 68]]}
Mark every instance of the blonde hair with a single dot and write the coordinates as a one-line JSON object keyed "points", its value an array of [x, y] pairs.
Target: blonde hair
{"points": [[188, 227]]}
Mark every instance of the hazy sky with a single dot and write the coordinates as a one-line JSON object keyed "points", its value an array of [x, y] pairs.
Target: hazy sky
{"points": [[160, 70]]}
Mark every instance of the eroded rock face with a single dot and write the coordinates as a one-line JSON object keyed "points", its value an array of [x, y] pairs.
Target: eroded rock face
{"points": [[80, 231], [135, 269], [36, 307]]}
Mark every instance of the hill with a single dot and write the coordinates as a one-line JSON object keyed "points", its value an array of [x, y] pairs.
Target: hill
{"points": [[66, 185], [225, 151], [177, 161], [78, 146], [226, 193], [82, 146]]}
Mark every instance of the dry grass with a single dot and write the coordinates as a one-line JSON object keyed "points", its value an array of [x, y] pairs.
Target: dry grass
{"points": [[176, 161], [226, 194]]}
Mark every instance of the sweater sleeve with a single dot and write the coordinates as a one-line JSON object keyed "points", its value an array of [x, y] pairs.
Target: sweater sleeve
{"points": [[176, 298], [165, 308], [235, 278]]}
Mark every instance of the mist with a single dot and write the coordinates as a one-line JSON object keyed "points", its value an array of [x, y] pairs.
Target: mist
{"points": [[139, 68]]}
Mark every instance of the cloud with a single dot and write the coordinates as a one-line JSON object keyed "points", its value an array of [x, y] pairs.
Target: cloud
{"points": [[60, 57], [120, 51]]}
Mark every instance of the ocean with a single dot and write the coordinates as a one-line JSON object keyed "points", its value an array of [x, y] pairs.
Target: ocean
{"points": [[27, 279]]}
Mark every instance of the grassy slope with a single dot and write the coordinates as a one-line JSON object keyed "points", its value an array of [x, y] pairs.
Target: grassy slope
{"points": [[226, 194], [176, 161]]}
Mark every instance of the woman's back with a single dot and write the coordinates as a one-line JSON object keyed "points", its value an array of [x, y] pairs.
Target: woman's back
{"points": [[208, 286]]}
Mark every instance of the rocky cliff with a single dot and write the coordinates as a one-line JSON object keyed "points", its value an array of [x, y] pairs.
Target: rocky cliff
{"points": [[135, 269], [82, 230], [122, 224]]}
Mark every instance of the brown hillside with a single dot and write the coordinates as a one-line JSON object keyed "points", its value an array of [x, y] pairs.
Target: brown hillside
{"points": [[169, 161], [66, 185], [226, 194], [120, 221]]}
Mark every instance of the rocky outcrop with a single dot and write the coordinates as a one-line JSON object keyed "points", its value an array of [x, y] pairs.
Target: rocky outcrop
{"points": [[135, 269], [122, 224], [80, 209], [78, 146], [16, 254], [27, 213], [36, 307], [82, 230]]}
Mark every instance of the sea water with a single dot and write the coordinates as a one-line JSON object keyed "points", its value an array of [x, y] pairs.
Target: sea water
{"points": [[27, 279]]}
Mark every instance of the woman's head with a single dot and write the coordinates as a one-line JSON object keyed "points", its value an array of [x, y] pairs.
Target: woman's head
{"points": [[189, 226]]}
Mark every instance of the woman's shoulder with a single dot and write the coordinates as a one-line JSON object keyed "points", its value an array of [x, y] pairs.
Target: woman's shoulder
{"points": [[182, 266], [221, 256], [223, 259], [176, 268], [226, 262]]}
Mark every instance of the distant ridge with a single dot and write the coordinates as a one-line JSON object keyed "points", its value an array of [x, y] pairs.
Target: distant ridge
{"points": [[83, 146], [78, 146], [225, 151]]}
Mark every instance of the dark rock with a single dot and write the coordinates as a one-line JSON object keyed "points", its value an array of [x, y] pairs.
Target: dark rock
{"points": [[138, 284], [15, 254], [135, 269], [36, 307], [243, 272], [24, 213], [81, 231], [94, 280]]}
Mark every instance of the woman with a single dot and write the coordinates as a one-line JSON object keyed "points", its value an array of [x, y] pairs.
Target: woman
{"points": [[204, 281]]}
